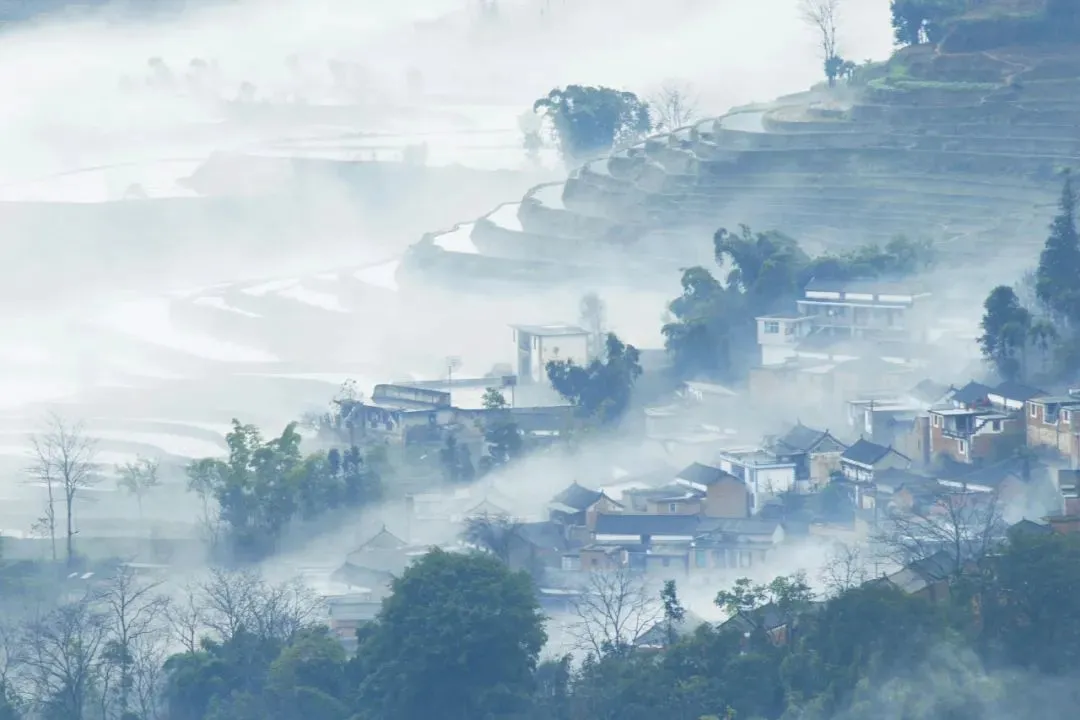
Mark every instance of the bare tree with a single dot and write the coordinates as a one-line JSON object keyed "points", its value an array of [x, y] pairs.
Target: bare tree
{"points": [[244, 600], [63, 658], [614, 610], [493, 533], [966, 525], [204, 478], [137, 478], [674, 106], [187, 618], [823, 16], [846, 568], [63, 459], [133, 615]]}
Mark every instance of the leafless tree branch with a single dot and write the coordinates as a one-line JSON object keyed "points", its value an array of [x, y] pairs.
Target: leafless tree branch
{"points": [[674, 106], [614, 610]]}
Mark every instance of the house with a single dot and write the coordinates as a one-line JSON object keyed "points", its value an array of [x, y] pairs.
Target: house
{"points": [[764, 474], [860, 462], [726, 544], [598, 557], [535, 546], [536, 345], [903, 489], [672, 499], [1053, 422], [370, 568], [577, 506], [1030, 528], [816, 454], [778, 625], [1009, 480], [1013, 395], [644, 529], [874, 311], [659, 635], [927, 578], [971, 396], [725, 495], [975, 434], [1067, 521]]}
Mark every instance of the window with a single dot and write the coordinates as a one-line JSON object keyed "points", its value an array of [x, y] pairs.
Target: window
{"points": [[772, 327], [701, 558], [745, 559], [673, 507], [666, 562], [937, 421], [1066, 416], [1032, 410], [995, 426], [962, 446]]}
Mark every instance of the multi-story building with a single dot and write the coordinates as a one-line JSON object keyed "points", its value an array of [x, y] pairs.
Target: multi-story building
{"points": [[1053, 421], [536, 345], [975, 435], [884, 313]]}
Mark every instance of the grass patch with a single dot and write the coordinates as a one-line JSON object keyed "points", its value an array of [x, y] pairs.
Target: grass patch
{"points": [[899, 85]]}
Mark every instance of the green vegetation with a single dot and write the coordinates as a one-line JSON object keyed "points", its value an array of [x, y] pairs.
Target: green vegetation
{"points": [[712, 331], [589, 121], [1040, 341], [600, 390], [264, 484], [921, 21]]}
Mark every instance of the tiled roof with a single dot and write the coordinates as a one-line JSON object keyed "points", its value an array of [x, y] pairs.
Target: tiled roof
{"points": [[704, 474], [641, 524], [865, 452], [577, 497]]}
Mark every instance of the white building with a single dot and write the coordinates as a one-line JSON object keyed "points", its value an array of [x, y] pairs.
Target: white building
{"points": [[537, 345]]}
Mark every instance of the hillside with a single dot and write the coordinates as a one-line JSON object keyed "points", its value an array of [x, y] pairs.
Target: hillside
{"points": [[962, 147]]}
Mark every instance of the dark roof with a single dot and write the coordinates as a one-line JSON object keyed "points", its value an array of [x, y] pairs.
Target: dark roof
{"points": [[578, 497], [897, 478], [1017, 391], [929, 391], [768, 617], [883, 286], [639, 524], [993, 475], [806, 439], [973, 393], [704, 474], [1029, 527], [713, 527], [384, 540], [865, 452], [544, 535], [938, 566]]}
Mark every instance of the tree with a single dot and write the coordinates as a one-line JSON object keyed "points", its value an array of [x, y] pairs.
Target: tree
{"points": [[495, 534], [1006, 326], [458, 638], [963, 524], [590, 121], [601, 389], [789, 595], [674, 612], [844, 569], [1059, 263], [822, 15], [133, 618], [242, 601], [501, 434], [63, 459], [138, 477], [674, 106], [63, 658], [920, 21], [613, 610], [456, 461]]}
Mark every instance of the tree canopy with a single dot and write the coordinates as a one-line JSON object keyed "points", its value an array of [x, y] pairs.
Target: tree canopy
{"points": [[601, 389], [590, 121]]}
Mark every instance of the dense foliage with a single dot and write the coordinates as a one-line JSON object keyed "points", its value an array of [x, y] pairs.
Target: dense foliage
{"points": [[712, 331], [601, 389], [590, 121], [461, 635], [1037, 339], [920, 21], [263, 485]]}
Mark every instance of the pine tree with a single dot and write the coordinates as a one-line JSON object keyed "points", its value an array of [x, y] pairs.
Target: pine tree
{"points": [[1006, 326], [1058, 276]]}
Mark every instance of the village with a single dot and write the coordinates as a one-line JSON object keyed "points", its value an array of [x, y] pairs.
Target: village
{"points": [[918, 472]]}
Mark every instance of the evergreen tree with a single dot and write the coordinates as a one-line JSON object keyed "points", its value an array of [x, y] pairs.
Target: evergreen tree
{"points": [[1006, 326], [1058, 275]]}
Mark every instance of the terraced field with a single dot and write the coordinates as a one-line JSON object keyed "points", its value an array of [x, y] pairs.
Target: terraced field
{"points": [[962, 149]]}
